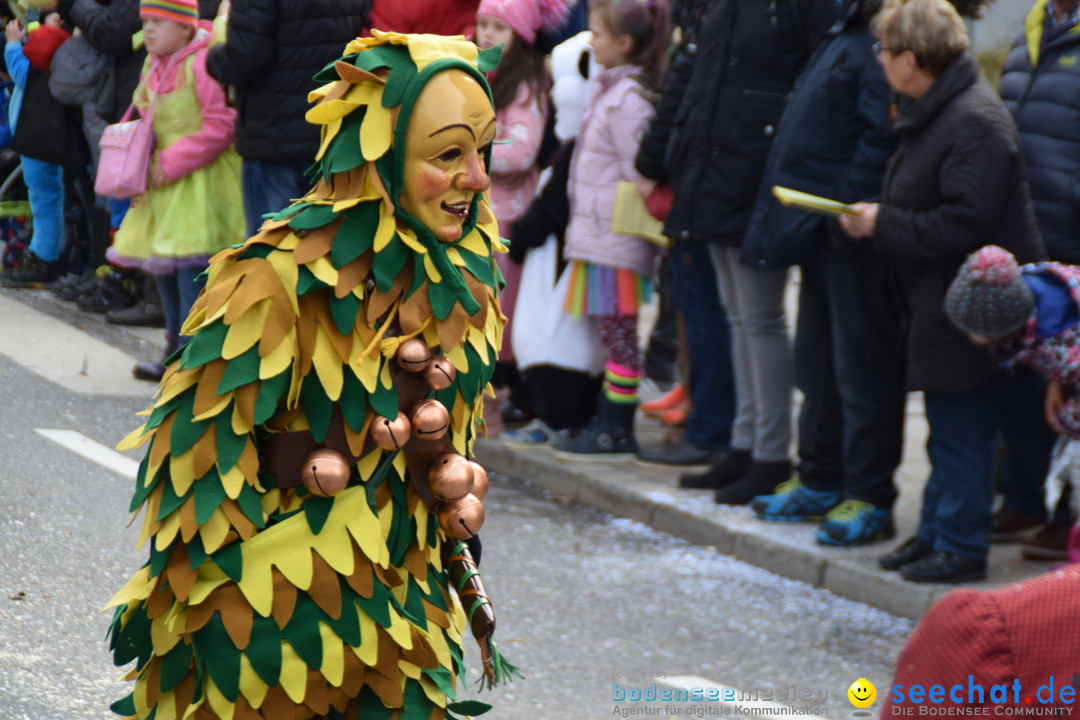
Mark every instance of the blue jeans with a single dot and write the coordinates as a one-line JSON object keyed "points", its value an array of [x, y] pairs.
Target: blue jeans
{"points": [[178, 293], [270, 187], [963, 431], [849, 365], [45, 187], [708, 346]]}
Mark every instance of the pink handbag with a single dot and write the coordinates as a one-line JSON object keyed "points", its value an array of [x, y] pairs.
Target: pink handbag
{"points": [[124, 165], [123, 169]]}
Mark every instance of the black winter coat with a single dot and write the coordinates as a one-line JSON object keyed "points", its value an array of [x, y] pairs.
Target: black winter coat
{"points": [[1045, 102], [749, 53], [955, 184], [274, 48], [834, 140], [108, 26]]}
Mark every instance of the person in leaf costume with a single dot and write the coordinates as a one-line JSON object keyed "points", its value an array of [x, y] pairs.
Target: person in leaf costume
{"points": [[307, 491]]}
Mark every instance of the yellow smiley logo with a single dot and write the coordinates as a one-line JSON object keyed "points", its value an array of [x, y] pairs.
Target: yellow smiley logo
{"points": [[862, 693]]}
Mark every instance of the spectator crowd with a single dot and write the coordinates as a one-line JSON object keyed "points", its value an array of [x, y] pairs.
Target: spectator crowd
{"points": [[639, 144]]}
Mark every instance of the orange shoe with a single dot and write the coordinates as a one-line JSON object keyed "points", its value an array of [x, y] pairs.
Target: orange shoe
{"points": [[676, 416], [676, 397]]}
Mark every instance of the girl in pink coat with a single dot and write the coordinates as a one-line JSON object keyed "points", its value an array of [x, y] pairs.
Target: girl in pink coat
{"points": [[519, 88], [612, 272], [193, 207]]}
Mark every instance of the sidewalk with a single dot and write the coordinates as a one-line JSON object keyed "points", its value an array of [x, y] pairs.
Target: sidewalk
{"points": [[649, 494]]}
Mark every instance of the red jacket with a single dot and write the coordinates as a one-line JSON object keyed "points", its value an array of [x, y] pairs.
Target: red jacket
{"points": [[438, 17], [1016, 637]]}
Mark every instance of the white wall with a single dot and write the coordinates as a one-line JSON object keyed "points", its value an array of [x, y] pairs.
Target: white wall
{"points": [[1004, 19]]}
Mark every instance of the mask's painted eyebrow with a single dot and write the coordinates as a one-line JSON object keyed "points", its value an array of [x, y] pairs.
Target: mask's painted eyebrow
{"points": [[462, 125]]}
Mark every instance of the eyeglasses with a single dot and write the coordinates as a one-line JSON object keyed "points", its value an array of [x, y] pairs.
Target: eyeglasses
{"points": [[880, 47]]}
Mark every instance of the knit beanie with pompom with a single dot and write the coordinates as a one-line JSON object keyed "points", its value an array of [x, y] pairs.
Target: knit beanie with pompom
{"points": [[988, 297], [527, 17]]}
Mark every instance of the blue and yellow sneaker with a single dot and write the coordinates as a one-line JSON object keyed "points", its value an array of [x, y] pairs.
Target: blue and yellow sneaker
{"points": [[792, 501], [855, 522]]}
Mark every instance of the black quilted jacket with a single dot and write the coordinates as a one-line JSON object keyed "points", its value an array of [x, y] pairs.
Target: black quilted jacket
{"points": [[955, 184], [274, 48]]}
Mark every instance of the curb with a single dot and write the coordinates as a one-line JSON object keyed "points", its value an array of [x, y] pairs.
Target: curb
{"points": [[632, 491]]}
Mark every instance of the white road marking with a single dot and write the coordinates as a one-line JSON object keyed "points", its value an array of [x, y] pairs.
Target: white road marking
{"points": [[733, 697], [104, 456], [65, 355]]}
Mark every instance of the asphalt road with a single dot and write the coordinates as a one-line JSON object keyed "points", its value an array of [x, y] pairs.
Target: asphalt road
{"points": [[588, 605]]}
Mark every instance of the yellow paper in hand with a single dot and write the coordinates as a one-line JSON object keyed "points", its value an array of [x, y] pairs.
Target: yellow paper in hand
{"points": [[811, 203], [633, 218]]}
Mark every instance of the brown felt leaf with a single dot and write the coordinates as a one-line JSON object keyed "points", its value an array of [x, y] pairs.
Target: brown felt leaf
{"points": [[278, 705], [205, 450], [238, 520], [436, 615], [482, 294], [351, 275], [316, 243], [249, 291], [353, 678], [352, 74], [245, 403], [379, 303], [311, 306], [279, 321], [178, 570], [325, 588], [388, 689], [159, 450], [206, 395], [315, 695], [284, 598], [415, 310], [421, 654], [153, 681], [188, 525], [160, 601], [322, 190], [416, 562], [236, 614], [452, 329], [360, 580]]}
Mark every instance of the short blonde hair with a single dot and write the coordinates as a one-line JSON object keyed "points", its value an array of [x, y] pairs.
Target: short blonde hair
{"points": [[931, 29]]}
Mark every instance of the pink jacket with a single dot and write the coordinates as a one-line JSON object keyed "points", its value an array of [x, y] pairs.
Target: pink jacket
{"points": [[514, 173], [218, 132], [617, 115]]}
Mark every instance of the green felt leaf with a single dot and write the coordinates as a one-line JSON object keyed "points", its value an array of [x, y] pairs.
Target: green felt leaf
{"points": [[353, 402], [316, 510], [270, 393], [264, 650], [371, 707], [469, 707], [414, 605], [483, 269], [307, 282], [384, 400], [209, 494], [344, 311], [347, 626], [133, 639], [142, 491], [185, 432], [170, 501], [302, 630], [442, 678], [356, 234], [415, 703], [402, 528], [230, 446], [196, 553], [158, 559], [313, 217], [344, 152], [205, 345], [251, 505], [241, 370], [231, 561], [488, 58], [288, 212], [389, 263], [377, 606], [442, 299], [216, 652], [316, 405], [124, 706], [418, 278], [174, 666]]}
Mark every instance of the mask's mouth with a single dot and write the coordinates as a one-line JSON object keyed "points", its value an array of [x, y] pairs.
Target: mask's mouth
{"points": [[460, 210]]}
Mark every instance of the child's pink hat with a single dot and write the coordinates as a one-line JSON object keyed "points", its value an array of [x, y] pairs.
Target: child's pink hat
{"points": [[185, 12], [527, 17]]}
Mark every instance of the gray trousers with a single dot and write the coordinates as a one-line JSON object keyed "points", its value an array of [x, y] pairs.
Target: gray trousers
{"points": [[754, 301]]}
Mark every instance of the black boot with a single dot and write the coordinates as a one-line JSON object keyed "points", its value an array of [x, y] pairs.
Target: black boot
{"points": [[730, 467], [154, 371], [611, 433], [762, 478]]}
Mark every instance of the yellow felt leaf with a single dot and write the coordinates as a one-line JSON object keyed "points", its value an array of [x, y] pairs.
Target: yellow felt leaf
{"points": [[328, 133], [222, 708], [330, 110], [385, 377], [368, 652], [458, 358], [279, 358], [209, 578], [474, 243], [138, 695], [293, 678], [426, 49], [162, 637], [375, 132], [288, 272], [221, 404], [324, 270], [169, 528], [251, 685], [182, 470], [233, 481], [214, 530], [366, 370], [137, 588], [333, 659], [386, 228], [246, 331], [429, 268], [328, 365], [296, 566]]}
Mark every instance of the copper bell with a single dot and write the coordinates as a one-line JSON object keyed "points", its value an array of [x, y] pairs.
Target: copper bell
{"points": [[480, 480], [413, 355], [462, 518], [450, 477], [430, 420], [440, 373], [325, 472], [391, 434]]}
